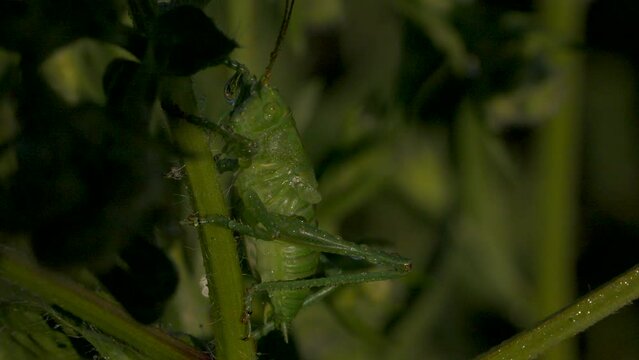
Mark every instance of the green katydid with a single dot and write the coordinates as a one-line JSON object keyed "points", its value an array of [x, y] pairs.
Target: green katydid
{"points": [[277, 189]]}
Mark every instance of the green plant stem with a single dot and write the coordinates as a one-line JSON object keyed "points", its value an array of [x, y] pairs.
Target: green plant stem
{"points": [[105, 315], [558, 144], [219, 248], [591, 308]]}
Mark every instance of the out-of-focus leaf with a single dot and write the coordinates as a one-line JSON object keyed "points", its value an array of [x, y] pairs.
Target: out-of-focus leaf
{"points": [[434, 19], [349, 184], [144, 282], [613, 150], [486, 228], [73, 71], [422, 175], [36, 28], [187, 41]]}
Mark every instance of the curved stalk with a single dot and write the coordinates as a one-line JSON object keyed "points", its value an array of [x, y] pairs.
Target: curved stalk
{"points": [[574, 319]]}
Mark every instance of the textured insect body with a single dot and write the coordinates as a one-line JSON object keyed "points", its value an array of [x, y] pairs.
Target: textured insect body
{"points": [[277, 191], [283, 178]]}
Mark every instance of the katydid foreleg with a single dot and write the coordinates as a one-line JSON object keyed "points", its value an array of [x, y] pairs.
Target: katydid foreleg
{"points": [[236, 145]]}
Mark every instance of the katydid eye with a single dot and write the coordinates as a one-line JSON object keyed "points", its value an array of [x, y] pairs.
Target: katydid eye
{"points": [[272, 110], [232, 88]]}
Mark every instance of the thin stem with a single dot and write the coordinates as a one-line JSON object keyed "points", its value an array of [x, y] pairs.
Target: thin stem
{"points": [[105, 315], [574, 319]]}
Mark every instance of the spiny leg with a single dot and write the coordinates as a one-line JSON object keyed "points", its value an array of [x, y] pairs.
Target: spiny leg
{"points": [[300, 232], [271, 325], [330, 269], [228, 223], [264, 330], [314, 297], [268, 226], [310, 236], [327, 284], [297, 231], [246, 230], [330, 281]]}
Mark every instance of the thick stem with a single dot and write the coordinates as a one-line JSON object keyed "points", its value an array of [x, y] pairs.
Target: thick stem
{"points": [[219, 248], [572, 320]]}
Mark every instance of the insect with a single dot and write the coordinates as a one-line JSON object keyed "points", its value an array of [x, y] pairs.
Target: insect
{"points": [[277, 192]]}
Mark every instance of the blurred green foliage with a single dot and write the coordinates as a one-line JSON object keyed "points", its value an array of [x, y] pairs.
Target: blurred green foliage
{"points": [[423, 119]]}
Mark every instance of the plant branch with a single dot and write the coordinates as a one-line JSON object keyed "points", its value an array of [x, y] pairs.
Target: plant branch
{"points": [[574, 319], [219, 248]]}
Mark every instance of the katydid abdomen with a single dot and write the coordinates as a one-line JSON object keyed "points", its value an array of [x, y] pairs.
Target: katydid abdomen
{"points": [[282, 176]]}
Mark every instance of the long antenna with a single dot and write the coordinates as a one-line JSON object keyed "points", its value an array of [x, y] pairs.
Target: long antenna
{"points": [[288, 10]]}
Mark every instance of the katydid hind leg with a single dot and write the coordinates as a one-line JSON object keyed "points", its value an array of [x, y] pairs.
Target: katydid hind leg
{"points": [[330, 269], [328, 286], [329, 281], [300, 232]]}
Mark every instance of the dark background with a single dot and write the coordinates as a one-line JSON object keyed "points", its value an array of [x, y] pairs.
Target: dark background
{"points": [[428, 124]]}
